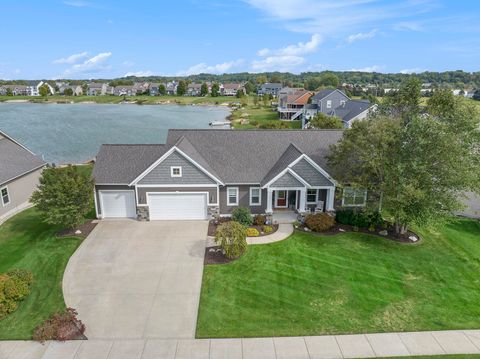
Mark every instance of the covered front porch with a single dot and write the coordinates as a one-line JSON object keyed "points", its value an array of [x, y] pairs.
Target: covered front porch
{"points": [[300, 199]]}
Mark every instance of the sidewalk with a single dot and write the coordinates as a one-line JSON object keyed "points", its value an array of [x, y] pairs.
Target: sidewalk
{"points": [[283, 231], [319, 347]]}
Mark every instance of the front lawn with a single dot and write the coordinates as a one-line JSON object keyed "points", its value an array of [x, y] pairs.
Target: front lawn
{"points": [[348, 283], [28, 243]]}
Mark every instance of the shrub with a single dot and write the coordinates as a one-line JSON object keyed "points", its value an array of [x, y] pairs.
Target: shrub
{"points": [[319, 222], [259, 220], [254, 123], [14, 287], [231, 237], [360, 218], [60, 326], [267, 229], [243, 216], [252, 232]]}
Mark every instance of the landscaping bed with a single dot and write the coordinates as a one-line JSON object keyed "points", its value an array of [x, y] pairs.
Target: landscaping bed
{"points": [[213, 224], [214, 255], [85, 229]]}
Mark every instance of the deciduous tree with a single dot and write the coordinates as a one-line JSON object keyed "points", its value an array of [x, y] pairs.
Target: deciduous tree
{"points": [[326, 122]]}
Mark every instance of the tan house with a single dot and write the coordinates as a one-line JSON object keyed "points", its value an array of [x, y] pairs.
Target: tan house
{"points": [[20, 170]]}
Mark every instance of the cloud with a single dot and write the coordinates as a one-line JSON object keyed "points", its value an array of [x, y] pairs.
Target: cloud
{"points": [[361, 36], [72, 59], [408, 26], [128, 63], [300, 48], [139, 73], [94, 64], [415, 70], [374, 68], [210, 69], [277, 63]]}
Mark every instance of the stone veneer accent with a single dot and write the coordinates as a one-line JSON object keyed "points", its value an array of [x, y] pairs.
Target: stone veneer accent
{"points": [[143, 214], [213, 211]]}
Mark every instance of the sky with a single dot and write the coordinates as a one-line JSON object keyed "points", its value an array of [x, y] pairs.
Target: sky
{"points": [[83, 39]]}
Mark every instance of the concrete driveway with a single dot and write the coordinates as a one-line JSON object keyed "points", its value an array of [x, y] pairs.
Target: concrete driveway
{"points": [[135, 280]]}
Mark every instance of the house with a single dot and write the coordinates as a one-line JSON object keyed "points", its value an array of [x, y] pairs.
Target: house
{"points": [[194, 89], [171, 88], [125, 91], [20, 170], [17, 90], [139, 88], [291, 104], [334, 102], [33, 88], [198, 174], [96, 89], [270, 88], [153, 88], [76, 89], [231, 89]]}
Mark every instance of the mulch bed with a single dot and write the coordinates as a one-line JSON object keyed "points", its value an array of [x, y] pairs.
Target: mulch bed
{"points": [[214, 255], [344, 228], [85, 228], [212, 227]]}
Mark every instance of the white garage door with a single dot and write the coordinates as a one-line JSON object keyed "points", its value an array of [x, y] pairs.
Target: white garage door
{"points": [[118, 204], [177, 206]]}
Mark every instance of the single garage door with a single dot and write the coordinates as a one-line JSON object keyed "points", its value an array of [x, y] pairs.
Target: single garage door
{"points": [[118, 204], [177, 206]]}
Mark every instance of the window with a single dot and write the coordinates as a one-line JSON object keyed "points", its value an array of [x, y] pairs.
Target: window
{"points": [[5, 196], [176, 171], [342, 103], [232, 196], [329, 104], [255, 196], [354, 197], [311, 196]]}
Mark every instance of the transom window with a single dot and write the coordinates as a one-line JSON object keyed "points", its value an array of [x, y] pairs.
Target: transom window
{"points": [[5, 196], [353, 197], [255, 196], [311, 196], [176, 171], [232, 196]]}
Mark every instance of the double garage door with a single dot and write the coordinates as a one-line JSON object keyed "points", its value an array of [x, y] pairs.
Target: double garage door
{"points": [[162, 206]]}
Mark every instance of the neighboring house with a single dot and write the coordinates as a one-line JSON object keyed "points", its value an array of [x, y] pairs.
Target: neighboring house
{"points": [[153, 89], [76, 89], [334, 102], [198, 174], [270, 88], [20, 170], [17, 90], [171, 88], [33, 88], [96, 89], [140, 88], [125, 91], [194, 89], [291, 104], [231, 89]]}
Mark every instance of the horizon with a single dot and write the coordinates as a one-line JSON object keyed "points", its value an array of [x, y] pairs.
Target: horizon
{"points": [[91, 39]]}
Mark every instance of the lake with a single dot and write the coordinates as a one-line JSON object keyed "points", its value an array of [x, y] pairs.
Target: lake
{"points": [[73, 133]]}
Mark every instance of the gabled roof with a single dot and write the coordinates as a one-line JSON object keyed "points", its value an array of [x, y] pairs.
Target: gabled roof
{"points": [[352, 109], [320, 95], [299, 97], [15, 159], [291, 154]]}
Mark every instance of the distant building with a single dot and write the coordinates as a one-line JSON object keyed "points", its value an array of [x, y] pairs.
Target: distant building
{"points": [[125, 90], [76, 89], [292, 102], [194, 89], [270, 88], [33, 88], [96, 89], [231, 89]]}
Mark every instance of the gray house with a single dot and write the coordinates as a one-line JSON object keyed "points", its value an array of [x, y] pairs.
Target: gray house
{"points": [[270, 88], [200, 173], [20, 170]]}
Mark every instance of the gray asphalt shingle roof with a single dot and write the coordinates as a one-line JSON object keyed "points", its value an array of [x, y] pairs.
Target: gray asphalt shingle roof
{"points": [[352, 109], [16, 160]]}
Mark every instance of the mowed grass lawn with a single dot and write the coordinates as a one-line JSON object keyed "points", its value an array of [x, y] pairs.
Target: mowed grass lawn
{"points": [[348, 283]]}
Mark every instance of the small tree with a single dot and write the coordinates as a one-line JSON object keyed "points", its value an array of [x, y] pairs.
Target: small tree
{"points": [[266, 100], [84, 89], [44, 90], [68, 92], [242, 215], [240, 93], [64, 196], [181, 88], [215, 90], [249, 87], [204, 89], [255, 100], [162, 90], [326, 122], [9, 92], [231, 237]]}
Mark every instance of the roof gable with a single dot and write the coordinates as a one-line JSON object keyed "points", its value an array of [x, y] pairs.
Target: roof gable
{"points": [[287, 180], [311, 174]]}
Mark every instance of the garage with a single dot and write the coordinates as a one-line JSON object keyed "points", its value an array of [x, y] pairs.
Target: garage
{"points": [[177, 206], [118, 204]]}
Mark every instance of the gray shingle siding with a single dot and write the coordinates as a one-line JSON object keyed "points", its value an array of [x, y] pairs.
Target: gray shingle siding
{"points": [[287, 180], [190, 173], [311, 174], [142, 192], [243, 200], [336, 98]]}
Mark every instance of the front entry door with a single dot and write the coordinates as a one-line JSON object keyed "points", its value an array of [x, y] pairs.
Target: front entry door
{"points": [[281, 199]]}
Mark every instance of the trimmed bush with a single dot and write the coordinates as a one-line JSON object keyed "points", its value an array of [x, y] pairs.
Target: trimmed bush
{"points": [[359, 218], [231, 237], [259, 220], [319, 222], [252, 232], [61, 326], [14, 287], [267, 229], [243, 216]]}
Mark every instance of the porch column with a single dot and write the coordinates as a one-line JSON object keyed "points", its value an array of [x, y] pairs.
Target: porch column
{"points": [[269, 200], [330, 198], [303, 200]]}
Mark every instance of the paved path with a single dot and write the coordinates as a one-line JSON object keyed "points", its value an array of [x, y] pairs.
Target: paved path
{"points": [[338, 346], [138, 280], [284, 231]]}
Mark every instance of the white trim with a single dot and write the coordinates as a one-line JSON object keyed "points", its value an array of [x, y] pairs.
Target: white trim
{"points": [[318, 168], [173, 168], [354, 196], [276, 198], [8, 195], [237, 195], [162, 158], [114, 190], [316, 196], [243, 184], [210, 185], [292, 172], [206, 194], [259, 196], [298, 177], [95, 202], [23, 174]]}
